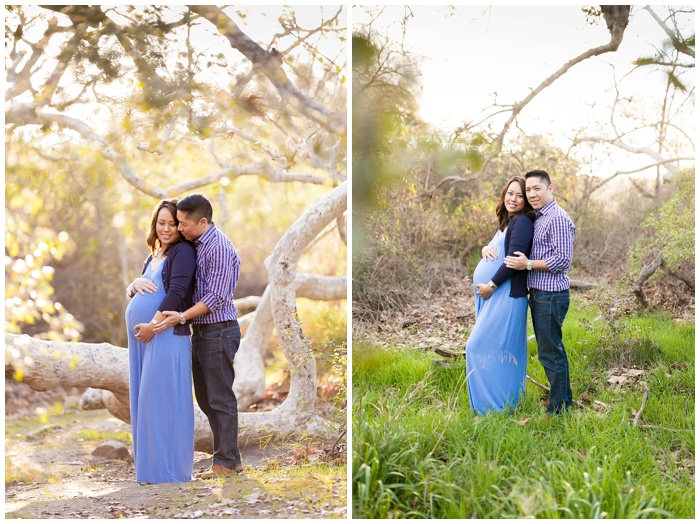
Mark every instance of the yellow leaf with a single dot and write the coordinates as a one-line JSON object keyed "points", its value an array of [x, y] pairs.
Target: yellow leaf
{"points": [[18, 375]]}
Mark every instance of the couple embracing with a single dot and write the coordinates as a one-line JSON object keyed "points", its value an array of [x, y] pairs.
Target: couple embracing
{"points": [[183, 328], [530, 252]]}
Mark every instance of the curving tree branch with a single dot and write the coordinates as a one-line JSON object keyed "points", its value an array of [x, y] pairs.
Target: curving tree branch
{"points": [[270, 64], [616, 18], [681, 47]]}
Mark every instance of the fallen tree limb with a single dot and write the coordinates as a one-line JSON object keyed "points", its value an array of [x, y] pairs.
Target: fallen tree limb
{"points": [[545, 388], [685, 279], [645, 274], [581, 284], [644, 403]]}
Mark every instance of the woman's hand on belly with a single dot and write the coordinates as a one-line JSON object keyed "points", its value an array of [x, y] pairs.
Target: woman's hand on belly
{"points": [[489, 253], [143, 284], [484, 291], [144, 332]]}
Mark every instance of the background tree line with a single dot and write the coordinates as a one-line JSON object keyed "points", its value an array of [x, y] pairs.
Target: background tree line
{"points": [[425, 200]]}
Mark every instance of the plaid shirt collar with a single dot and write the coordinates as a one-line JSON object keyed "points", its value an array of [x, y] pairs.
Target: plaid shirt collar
{"points": [[546, 209], [206, 236]]}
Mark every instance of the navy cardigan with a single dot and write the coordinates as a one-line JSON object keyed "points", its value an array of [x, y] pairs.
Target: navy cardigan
{"points": [[518, 238], [178, 279]]}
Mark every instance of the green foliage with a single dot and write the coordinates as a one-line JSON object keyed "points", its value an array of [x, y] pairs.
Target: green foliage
{"points": [[325, 325], [670, 230], [613, 336], [31, 249], [362, 50], [385, 83], [93, 434], [419, 451], [418, 239]]}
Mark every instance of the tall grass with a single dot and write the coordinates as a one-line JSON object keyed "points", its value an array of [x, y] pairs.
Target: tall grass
{"points": [[419, 451]]}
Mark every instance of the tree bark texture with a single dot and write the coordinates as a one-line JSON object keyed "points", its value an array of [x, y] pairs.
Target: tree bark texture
{"points": [[281, 267], [644, 275]]}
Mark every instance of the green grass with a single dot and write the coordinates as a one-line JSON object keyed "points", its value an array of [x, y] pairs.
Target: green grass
{"points": [[124, 437], [419, 451]]}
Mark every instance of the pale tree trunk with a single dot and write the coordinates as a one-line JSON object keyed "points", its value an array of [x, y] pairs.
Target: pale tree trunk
{"points": [[298, 408], [249, 363]]}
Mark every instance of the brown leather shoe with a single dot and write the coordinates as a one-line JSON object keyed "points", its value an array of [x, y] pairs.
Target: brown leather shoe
{"points": [[217, 470]]}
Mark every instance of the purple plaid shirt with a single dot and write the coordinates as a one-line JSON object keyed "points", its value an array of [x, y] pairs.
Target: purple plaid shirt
{"points": [[218, 266], [554, 243]]}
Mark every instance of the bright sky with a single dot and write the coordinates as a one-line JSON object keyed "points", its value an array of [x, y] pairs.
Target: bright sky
{"points": [[472, 52]]}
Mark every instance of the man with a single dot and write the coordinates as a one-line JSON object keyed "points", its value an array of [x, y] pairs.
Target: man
{"points": [[215, 331], [552, 249]]}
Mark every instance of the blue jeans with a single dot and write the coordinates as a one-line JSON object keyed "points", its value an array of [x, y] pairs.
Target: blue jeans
{"points": [[548, 310], [214, 347]]}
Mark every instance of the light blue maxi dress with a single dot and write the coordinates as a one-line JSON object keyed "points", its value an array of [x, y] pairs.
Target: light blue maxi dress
{"points": [[160, 389], [497, 347]]}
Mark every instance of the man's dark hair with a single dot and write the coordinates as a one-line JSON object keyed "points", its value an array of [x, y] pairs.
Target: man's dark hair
{"points": [[537, 172], [196, 207]]}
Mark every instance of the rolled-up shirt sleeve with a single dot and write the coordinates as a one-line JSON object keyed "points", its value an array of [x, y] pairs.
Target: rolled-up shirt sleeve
{"points": [[221, 274], [561, 250]]}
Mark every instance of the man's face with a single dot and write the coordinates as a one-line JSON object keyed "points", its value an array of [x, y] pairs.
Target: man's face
{"points": [[537, 191], [190, 229]]}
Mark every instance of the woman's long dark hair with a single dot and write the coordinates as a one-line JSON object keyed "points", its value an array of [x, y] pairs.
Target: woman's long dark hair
{"points": [[502, 213], [152, 239]]}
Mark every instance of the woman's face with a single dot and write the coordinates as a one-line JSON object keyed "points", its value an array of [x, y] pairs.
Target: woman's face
{"points": [[514, 200], [166, 228]]}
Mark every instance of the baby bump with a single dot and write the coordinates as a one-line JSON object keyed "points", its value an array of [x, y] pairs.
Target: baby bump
{"points": [[142, 308], [485, 270]]}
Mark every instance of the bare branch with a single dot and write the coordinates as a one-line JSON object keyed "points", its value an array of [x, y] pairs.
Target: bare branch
{"points": [[282, 270], [647, 271], [271, 65], [674, 38], [309, 32], [616, 18], [19, 81], [687, 280], [644, 403], [64, 59], [659, 160], [25, 115]]}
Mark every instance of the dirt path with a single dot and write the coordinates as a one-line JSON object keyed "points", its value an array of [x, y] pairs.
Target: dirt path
{"points": [[441, 319], [50, 472]]}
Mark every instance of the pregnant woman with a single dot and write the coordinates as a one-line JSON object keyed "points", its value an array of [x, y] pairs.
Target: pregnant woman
{"points": [[497, 347], [160, 366]]}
